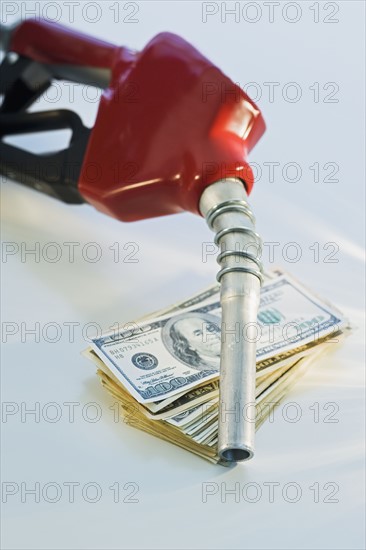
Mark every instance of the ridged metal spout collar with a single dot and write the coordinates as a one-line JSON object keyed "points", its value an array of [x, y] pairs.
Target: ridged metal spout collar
{"points": [[225, 207]]}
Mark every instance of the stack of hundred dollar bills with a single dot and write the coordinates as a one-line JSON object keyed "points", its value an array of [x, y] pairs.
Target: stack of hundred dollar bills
{"points": [[163, 369]]}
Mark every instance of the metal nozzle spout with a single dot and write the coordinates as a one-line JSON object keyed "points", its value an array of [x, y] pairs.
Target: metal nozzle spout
{"points": [[224, 204]]}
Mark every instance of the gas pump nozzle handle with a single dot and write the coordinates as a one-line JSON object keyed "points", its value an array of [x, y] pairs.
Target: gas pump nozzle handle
{"points": [[172, 134]]}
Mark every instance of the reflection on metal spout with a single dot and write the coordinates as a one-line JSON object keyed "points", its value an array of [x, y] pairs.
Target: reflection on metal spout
{"points": [[227, 213]]}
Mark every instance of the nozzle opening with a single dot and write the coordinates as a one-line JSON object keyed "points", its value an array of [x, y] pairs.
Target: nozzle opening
{"points": [[236, 455]]}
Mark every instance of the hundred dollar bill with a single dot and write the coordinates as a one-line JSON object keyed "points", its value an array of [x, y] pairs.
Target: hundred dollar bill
{"points": [[172, 354], [174, 405]]}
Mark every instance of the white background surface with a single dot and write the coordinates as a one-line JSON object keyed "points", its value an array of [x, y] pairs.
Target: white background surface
{"points": [[170, 512]]}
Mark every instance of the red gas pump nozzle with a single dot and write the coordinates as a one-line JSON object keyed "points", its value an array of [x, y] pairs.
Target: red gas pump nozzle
{"points": [[172, 134]]}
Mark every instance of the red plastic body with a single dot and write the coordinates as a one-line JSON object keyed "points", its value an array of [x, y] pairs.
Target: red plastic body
{"points": [[169, 124]]}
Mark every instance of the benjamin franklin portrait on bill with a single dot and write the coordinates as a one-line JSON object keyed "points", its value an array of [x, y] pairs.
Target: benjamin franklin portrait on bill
{"points": [[195, 339]]}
